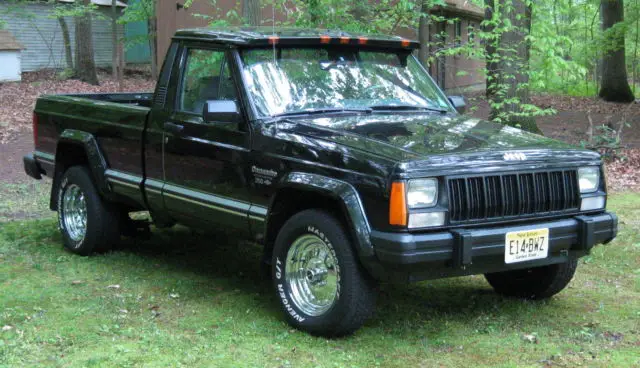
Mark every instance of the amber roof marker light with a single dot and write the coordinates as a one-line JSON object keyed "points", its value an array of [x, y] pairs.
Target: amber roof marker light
{"points": [[325, 39], [398, 204]]}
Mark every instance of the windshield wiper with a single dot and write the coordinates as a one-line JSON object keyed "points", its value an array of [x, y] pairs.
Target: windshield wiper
{"points": [[323, 111], [407, 108]]}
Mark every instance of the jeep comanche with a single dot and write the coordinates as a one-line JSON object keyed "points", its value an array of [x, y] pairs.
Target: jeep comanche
{"points": [[335, 151]]}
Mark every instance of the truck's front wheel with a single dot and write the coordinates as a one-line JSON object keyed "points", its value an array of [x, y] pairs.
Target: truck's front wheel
{"points": [[318, 281], [534, 283], [87, 222]]}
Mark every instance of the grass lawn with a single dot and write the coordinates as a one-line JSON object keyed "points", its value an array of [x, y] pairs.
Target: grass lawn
{"points": [[183, 299]]}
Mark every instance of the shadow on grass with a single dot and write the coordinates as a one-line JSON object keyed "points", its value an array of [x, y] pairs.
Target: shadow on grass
{"points": [[235, 263]]}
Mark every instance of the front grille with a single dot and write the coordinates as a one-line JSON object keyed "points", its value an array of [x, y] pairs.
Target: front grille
{"points": [[497, 196]]}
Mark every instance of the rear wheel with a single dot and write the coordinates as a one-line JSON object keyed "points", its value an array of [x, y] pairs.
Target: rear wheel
{"points": [[86, 221], [321, 287], [534, 283]]}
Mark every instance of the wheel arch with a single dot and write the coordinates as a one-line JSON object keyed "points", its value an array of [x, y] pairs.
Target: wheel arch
{"points": [[301, 191], [78, 148]]}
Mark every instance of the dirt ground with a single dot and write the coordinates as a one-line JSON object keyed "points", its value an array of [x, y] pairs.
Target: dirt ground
{"points": [[11, 153], [570, 123]]}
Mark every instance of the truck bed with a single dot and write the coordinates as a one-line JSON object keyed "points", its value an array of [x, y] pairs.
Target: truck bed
{"points": [[116, 120], [135, 98]]}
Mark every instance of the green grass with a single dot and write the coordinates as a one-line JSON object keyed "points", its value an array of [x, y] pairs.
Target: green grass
{"points": [[19, 201], [184, 299]]}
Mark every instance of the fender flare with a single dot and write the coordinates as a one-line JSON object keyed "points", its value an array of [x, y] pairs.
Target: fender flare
{"points": [[342, 191], [95, 159]]}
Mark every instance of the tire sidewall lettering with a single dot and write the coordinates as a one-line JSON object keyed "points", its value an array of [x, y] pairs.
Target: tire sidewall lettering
{"points": [[63, 185], [280, 270]]}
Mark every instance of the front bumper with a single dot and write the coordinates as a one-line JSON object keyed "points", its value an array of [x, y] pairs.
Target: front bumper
{"points": [[406, 257]]}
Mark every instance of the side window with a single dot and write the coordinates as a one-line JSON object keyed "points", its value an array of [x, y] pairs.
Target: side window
{"points": [[206, 77]]}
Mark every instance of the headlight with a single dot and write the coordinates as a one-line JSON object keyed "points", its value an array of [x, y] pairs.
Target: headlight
{"points": [[422, 193], [589, 179]]}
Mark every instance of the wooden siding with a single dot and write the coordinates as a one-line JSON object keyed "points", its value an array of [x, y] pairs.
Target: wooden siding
{"points": [[445, 71], [41, 36]]}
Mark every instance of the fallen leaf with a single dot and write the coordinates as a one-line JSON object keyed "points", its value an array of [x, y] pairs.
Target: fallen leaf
{"points": [[530, 338], [6, 328], [76, 282], [116, 286]]}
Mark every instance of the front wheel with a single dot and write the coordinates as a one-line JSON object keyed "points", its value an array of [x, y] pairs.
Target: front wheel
{"points": [[534, 283], [320, 284]]}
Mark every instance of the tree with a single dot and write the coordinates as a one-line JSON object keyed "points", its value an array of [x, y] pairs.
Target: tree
{"points": [[66, 39], [144, 11], [507, 26], [251, 12], [117, 62], [614, 82], [423, 33], [85, 66]]}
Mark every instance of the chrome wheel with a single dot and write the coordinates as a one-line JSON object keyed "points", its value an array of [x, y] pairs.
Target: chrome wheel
{"points": [[74, 212], [312, 275]]}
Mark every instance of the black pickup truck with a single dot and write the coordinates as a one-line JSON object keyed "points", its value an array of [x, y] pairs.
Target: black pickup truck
{"points": [[335, 151]]}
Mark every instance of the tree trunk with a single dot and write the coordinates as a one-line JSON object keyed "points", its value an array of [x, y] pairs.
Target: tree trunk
{"points": [[153, 46], [508, 62], [114, 38], [614, 85], [66, 39], [85, 68], [423, 34], [251, 12]]}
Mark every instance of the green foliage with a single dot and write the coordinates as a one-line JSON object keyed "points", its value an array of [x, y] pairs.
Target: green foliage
{"points": [[76, 9], [137, 11]]}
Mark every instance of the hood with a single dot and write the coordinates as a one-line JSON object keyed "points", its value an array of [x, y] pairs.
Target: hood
{"points": [[431, 139]]}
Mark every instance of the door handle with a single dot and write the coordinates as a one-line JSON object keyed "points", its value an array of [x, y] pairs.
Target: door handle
{"points": [[173, 128]]}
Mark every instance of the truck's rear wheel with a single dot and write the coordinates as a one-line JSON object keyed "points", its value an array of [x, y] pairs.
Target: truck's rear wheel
{"points": [[86, 221], [534, 283], [319, 283]]}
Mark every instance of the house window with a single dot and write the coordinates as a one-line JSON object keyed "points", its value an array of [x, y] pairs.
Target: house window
{"points": [[472, 33], [458, 32]]}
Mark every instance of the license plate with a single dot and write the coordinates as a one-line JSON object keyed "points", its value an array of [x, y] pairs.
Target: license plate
{"points": [[521, 246]]}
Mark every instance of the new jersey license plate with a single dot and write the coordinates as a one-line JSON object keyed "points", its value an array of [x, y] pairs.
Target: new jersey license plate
{"points": [[526, 245]]}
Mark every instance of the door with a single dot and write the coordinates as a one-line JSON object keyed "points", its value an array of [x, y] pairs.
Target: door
{"points": [[205, 162]]}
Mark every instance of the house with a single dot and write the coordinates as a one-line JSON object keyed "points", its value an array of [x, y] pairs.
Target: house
{"points": [[455, 74], [36, 28], [10, 50]]}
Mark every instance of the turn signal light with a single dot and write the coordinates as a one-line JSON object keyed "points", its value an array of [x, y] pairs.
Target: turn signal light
{"points": [[398, 204]]}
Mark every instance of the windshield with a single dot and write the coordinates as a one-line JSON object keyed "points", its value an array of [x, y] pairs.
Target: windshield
{"points": [[300, 80]]}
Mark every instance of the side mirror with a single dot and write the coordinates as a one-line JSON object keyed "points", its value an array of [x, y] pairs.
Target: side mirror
{"points": [[222, 111], [459, 103]]}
